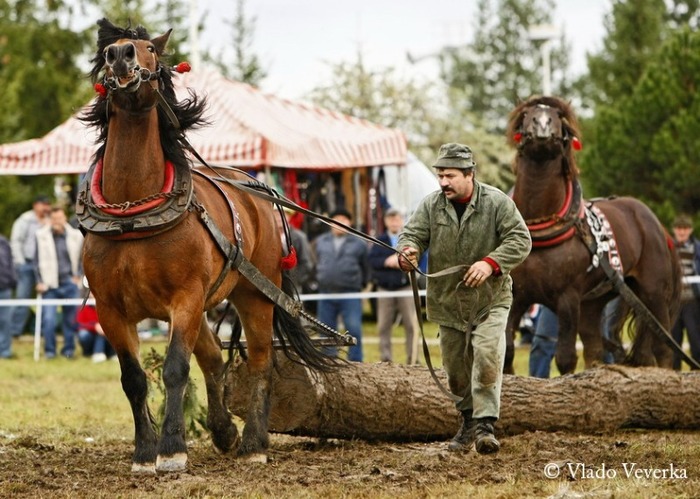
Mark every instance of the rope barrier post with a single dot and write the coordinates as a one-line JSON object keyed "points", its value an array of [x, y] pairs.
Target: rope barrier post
{"points": [[37, 327]]}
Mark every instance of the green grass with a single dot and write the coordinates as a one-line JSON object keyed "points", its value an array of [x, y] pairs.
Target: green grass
{"points": [[88, 391]]}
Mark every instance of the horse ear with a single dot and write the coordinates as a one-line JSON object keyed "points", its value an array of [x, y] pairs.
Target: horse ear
{"points": [[161, 41]]}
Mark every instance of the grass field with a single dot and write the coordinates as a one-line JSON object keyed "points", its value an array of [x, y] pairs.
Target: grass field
{"points": [[60, 391], [66, 431]]}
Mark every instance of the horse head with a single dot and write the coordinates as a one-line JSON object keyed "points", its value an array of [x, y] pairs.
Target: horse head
{"points": [[545, 128], [129, 57]]}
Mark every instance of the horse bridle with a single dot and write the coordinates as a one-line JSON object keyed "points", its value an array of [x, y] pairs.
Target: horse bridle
{"points": [[145, 74]]}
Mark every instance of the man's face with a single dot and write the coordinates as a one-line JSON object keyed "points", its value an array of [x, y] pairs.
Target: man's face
{"points": [[343, 220], [58, 221], [394, 223], [42, 210], [682, 234], [456, 183]]}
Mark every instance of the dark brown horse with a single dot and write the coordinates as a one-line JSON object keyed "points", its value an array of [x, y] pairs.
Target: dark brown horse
{"points": [[150, 252], [562, 272]]}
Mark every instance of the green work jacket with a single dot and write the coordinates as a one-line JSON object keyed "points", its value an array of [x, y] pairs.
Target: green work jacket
{"points": [[490, 227]]}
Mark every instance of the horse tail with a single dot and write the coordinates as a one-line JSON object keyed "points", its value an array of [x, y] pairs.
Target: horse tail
{"points": [[290, 332], [673, 300]]}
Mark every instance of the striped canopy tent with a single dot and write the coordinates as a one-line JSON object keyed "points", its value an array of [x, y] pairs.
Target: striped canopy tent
{"points": [[248, 128]]}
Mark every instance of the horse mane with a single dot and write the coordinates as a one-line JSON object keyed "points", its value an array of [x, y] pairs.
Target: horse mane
{"points": [[189, 112], [515, 121]]}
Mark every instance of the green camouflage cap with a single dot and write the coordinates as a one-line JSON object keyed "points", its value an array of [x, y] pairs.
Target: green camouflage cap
{"points": [[683, 220], [455, 156]]}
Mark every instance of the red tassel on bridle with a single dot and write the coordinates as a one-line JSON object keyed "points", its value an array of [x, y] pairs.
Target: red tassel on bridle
{"points": [[183, 67], [517, 137], [101, 90], [576, 144], [289, 261]]}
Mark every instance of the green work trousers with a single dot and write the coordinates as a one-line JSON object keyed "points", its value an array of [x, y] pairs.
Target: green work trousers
{"points": [[473, 361]]}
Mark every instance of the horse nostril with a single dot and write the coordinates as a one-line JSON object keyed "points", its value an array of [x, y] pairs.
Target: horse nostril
{"points": [[110, 55], [129, 52]]}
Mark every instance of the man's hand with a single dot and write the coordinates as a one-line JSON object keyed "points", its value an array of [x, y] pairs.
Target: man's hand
{"points": [[477, 274], [408, 259], [41, 288]]}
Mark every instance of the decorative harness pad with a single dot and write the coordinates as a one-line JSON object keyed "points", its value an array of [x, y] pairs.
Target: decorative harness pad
{"points": [[133, 219], [606, 245]]}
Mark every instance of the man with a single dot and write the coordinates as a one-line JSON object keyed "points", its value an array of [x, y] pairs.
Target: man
{"points": [[688, 248], [473, 224], [302, 274], [387, 275], [23, 242], [7, 284], [342, 268], [58, 275]]}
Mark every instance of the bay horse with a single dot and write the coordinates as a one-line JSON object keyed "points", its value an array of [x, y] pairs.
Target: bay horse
{"points": [[571, 237], [152, 250]]}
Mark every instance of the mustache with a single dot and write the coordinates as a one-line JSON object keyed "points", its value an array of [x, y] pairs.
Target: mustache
{"points": [[447, 189]]}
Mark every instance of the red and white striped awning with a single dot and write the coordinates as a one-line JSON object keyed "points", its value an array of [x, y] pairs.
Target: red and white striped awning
{"points": [[248, 128]]}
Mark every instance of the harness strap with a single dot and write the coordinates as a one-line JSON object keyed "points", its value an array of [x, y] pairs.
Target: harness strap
{"points": [[236, 259]]}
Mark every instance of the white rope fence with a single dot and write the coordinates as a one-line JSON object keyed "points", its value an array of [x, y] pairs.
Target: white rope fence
{"points": [[38, 302]]}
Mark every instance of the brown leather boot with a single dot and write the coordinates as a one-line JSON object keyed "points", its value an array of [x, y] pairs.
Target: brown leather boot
{"points": [[486, 443], [464, 438]]}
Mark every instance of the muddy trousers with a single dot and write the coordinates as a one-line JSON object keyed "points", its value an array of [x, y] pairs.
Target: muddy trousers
{"points": [[474, 361]]}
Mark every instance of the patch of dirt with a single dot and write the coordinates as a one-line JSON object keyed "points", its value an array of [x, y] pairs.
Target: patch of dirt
{"points": [[305, 467]]}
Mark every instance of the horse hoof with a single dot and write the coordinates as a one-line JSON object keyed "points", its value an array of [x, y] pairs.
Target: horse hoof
{"points": [[143, 468], [255, 457], [176, 462]]}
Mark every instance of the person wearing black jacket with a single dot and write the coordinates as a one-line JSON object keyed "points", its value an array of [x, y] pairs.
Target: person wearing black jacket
{"points": [[387, 276], [7, 283]]}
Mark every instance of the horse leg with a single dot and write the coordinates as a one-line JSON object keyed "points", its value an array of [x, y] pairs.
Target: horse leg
{"points": [[124, 340], [184, 330], [648, 349], [591, 335], [568, 313], [208, 354], [516, 312], [256, 314]]}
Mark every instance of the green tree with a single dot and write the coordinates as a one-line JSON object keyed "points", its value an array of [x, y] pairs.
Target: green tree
{"points": [[246, 66], [634, 33], [41, 83], [502, 65], [647, 143]]}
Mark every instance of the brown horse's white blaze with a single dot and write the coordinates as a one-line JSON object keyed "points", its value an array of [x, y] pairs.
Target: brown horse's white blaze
{"points": [[170, 274], [545, 131]]}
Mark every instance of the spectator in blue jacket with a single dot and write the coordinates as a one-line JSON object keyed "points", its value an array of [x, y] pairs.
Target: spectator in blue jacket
{"points": [[341, 260], [388, 276]]}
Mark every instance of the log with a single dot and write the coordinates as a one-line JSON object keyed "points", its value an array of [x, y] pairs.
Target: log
{"points": [[393, 402]]}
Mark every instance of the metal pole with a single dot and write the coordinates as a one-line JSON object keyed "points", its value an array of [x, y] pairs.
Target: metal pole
{"points": [[546, 67], [37, 328]]}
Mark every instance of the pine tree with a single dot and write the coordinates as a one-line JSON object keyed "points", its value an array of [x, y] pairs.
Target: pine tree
{"points": [[502, 66]]}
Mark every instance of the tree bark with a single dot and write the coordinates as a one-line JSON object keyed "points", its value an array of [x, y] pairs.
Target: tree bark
{"points": [[393, 402]]}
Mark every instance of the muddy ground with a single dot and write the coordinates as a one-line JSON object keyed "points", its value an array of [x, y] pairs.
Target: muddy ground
{"points": [[306, 467]]}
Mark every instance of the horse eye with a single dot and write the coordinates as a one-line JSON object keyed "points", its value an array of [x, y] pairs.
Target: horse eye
{"points": [[151, 48]]}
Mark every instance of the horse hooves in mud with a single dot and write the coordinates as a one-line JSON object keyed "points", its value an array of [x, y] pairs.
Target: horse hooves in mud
{"points": [[143, 468], [176, 462], [256, 457]]}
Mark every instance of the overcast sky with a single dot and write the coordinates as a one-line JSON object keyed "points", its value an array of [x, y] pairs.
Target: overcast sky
{"points": [[296, 39]]}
